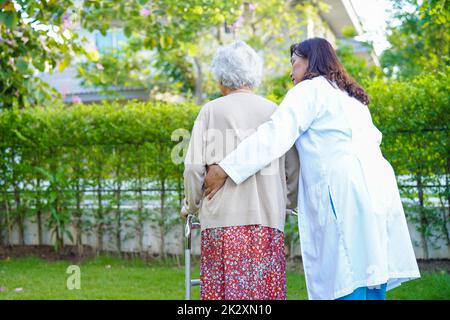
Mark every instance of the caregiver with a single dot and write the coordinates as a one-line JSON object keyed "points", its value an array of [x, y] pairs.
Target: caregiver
{"points": [[355, 242]]}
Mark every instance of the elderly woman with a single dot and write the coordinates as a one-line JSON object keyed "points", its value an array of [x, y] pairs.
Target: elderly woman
{"points": [[242, 239]]}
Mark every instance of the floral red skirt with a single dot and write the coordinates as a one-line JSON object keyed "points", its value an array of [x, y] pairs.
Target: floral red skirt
{"points": [[242, 263]]}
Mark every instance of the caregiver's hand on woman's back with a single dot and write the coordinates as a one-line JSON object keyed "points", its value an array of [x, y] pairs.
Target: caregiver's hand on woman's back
{"points": [[214, 180]]}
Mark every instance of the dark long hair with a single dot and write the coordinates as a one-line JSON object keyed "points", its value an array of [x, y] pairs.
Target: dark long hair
{"points": [[323, 61]]}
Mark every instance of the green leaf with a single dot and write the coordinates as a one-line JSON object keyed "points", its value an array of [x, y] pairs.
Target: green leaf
{"points": [[44, 172], [127, 31], [20, 136], [22, 65], [69, 235], [9, 19], [39, 64], [55, 216]]}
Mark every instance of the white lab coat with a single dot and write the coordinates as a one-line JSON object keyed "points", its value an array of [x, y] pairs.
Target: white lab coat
{"points": [[352, 226]]}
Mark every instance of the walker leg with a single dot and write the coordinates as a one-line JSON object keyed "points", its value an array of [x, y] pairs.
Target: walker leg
{"points": [[187, 263]]}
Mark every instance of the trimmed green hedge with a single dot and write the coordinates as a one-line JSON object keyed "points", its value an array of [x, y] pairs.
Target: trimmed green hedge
{"points": [[94, 124], [54, 158]]}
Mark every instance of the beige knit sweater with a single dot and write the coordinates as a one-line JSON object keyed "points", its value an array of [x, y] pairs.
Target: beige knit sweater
{"points": [[263, 198]]}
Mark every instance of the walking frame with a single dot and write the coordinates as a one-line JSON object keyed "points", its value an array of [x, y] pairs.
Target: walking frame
{"points": [[189, 283], [191, 225]]}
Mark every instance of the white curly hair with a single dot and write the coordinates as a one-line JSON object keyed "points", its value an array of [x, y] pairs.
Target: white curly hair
{"points": [[237, 65]]}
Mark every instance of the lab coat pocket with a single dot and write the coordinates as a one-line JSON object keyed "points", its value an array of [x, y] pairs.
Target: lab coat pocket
{"points": [[332, 203], [381, 185], [316, 202]]}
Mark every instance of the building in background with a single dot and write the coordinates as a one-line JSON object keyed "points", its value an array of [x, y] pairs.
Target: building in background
{"points": [[341, 16]]}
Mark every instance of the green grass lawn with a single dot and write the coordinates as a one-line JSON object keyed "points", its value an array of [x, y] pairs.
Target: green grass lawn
{"points": [[113, 278]]}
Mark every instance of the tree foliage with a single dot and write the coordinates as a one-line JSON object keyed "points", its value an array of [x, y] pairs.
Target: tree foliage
{"points": [[419, 37], [414, 117], [33, 38], [179, 39]]}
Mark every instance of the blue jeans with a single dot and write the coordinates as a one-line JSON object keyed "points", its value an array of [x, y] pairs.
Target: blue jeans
{"points": [[364, 293]]}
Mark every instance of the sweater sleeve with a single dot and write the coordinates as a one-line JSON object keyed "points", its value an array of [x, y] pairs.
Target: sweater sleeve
{"points": [[195, 166], [292, 165]]}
